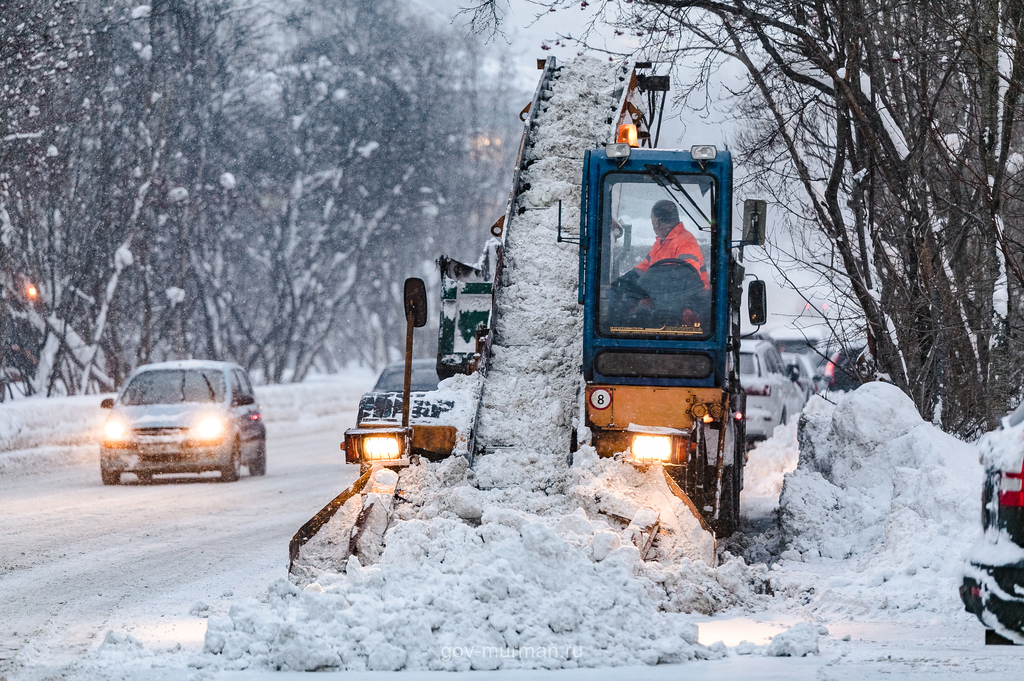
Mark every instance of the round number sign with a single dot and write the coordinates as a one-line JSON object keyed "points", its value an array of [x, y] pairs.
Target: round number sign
{"points": [[600, 399]]}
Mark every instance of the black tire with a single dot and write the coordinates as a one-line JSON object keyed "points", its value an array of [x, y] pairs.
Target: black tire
{"points": [[233, 470], [258, 466], [785, 417], [110, 477], [145, 477]]}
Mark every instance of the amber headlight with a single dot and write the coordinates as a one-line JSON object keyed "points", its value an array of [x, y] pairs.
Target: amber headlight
{"points": [[369, 445], [652, 448], [208, 429], [115, 431]]}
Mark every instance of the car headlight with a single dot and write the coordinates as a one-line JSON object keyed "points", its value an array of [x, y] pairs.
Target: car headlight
{"points": [[115, 430], [652, 448], [211, 428]]}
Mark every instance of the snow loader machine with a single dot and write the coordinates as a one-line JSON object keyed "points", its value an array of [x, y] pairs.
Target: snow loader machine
{"points": [[660, 384]]}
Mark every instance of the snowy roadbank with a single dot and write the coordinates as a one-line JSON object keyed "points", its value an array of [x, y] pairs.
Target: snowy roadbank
{"points": [[130, 582]]}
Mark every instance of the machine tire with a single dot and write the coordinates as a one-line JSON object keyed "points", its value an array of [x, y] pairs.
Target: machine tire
{"points": [[258, 466], [110, 477], [233, 470]]}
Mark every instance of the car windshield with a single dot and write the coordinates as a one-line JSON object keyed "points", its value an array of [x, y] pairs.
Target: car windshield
{"points": [[656, 277], [173, 386], [392, 379]]}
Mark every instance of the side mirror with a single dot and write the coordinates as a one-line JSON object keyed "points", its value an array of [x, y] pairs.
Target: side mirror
{"points": [[243, 400], [757, 302], [794, 372], [107, 403], [754, 218], [416, 302]]}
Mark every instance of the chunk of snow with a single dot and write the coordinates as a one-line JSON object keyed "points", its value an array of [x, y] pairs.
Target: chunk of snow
{"points": [[177, 194], [123, 258], [227, 180], [799, 640], [51, 151], [175, 295], [368, 148], [146, 53], [141, 12]]}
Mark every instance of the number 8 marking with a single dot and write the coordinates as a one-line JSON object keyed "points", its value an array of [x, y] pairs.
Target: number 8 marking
{"points": [[600, 399]]}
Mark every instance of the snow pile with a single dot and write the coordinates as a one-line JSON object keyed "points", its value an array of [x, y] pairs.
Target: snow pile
{"points": [[522, 561], [513, 577], [893, 496]]}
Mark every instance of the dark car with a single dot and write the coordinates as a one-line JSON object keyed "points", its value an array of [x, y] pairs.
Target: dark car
{"points": [[993, 586], [184, 417], [424, 377], [841, 369]]}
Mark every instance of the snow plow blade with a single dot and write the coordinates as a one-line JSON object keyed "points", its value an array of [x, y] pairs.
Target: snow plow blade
{"points": [[313, 525]]}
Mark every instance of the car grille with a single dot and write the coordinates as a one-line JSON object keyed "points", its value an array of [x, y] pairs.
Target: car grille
{"points": [[160, 432]]}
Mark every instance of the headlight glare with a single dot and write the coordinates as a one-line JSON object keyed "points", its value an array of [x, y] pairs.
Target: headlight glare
{"points": [[652, 448], [210, 428], [381, 448], [115, 430]]}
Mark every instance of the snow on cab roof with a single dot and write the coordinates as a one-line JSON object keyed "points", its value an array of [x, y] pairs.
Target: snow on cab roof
{"points": [[186, 364]]}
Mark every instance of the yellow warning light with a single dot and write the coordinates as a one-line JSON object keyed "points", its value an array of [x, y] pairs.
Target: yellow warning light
{"points": [[32, 292], [627, 135], [652, 448]]}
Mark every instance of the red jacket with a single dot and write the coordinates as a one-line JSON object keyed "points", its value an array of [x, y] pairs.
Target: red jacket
{"points": [[678, 244]]}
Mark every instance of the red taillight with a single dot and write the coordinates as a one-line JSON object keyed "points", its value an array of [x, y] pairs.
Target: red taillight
{"points": [[758, 391], [1010, 489], [738, 416], [830, 371]]}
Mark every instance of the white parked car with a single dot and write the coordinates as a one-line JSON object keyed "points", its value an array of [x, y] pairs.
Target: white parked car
{"points": [[773, 397]]}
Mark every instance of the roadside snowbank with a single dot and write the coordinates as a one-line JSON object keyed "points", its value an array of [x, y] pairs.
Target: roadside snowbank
{"points": [[38, 432], [515, 577], [880, 510]]}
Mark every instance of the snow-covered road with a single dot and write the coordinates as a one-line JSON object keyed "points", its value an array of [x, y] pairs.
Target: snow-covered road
{"points": [[78, 559], [117, 582]]}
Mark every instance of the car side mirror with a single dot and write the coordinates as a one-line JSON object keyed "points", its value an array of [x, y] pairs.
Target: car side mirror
{"points": [[243, 400], [757, 302], [794, 372], [107, 403]]}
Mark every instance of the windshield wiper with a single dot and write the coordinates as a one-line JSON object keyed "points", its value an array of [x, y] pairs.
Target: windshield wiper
{"points": [[213, 397], [664, 177]]}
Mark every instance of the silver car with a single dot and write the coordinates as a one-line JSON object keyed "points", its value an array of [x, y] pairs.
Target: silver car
{"points": [[773, 396], [184, 417]]}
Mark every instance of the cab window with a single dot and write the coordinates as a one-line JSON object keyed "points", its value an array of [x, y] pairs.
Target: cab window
{"points": [[656, 266]]}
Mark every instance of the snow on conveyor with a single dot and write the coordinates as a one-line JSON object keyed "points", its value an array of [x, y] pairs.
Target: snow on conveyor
{"points": [[511, 561]]}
